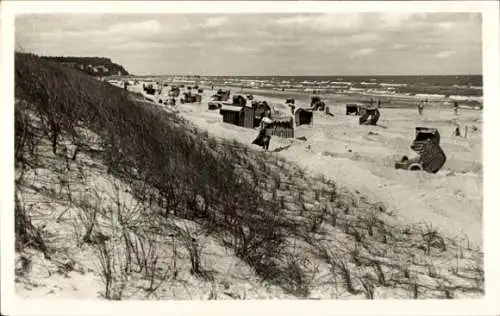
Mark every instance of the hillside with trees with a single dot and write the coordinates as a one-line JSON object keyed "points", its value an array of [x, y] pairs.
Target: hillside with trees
{"points": [[95, 66]]}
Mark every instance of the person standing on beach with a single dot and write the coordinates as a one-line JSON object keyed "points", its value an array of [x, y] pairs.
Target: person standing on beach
{"points": [[455, 108], [264, 137], [421, 107]]}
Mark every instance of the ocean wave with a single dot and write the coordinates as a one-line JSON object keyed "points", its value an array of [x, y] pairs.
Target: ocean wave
{"points": [[347, 83], [467, 87], [393, 84], [465, 98], [430, 96], [407, 86]]}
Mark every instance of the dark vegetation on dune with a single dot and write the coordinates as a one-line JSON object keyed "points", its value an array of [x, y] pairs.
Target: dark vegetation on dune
{"points": [[113, 68], [155, 151], [255, 204]]}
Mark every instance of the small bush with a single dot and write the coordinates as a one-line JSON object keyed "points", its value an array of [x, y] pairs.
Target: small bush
{"points": [[27, 235], [369, 287], [432, 239]]}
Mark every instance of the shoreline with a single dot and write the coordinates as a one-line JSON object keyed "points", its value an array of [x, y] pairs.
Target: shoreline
{"points": [[388, 101], [303, 98], [333, 100], [442, 93]]}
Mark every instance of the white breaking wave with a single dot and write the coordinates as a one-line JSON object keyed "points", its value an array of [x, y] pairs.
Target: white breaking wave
{"points": [[394, 84], [466, 98]]}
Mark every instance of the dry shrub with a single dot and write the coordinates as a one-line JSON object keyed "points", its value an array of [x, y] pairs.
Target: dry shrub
{"points": [[26, 139], [26, 234], [432, 239], [112, 268], [298, 284], [368, 287]]}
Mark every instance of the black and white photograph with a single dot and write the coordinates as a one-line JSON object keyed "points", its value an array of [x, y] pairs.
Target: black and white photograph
{"points": [[163, 153]]}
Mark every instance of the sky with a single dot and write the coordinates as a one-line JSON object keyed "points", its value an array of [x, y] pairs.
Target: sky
{"points": [[285, 44]]}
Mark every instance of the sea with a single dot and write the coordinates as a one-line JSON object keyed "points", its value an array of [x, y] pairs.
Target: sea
{"points": [[468, 89]]}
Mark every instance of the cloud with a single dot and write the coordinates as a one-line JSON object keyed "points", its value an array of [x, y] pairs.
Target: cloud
{"points": [[137, 46], [399, 46], [149, 26], [214, 22], [446, 26], [303, 43], [323, 23], [389, 20], [363, 52], [223, 34], [245, 49], [445, 54]]}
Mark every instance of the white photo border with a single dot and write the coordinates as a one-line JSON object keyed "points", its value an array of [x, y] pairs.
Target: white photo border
{"points": [[489, 305]]}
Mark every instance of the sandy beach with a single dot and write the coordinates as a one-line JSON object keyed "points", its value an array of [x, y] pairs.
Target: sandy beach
{"points": [[358, 159], [362, 159]]}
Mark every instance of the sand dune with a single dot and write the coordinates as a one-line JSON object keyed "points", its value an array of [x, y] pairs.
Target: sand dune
{"points": [[358, 158]]}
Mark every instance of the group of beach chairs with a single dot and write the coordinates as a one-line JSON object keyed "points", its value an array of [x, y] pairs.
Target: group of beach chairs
{"points": [[426, 144]]}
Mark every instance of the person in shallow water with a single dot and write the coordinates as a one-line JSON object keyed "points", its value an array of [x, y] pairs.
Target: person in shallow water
{"points": [[264, 137]]}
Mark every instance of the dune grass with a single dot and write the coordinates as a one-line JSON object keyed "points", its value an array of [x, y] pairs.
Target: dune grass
{"points": [[293, 230]]}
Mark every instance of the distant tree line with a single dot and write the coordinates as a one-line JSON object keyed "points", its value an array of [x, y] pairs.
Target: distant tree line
{"points": [[83, 63]]}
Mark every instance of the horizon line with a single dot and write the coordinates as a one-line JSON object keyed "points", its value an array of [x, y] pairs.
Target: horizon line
{"points": [[191, 75]]}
